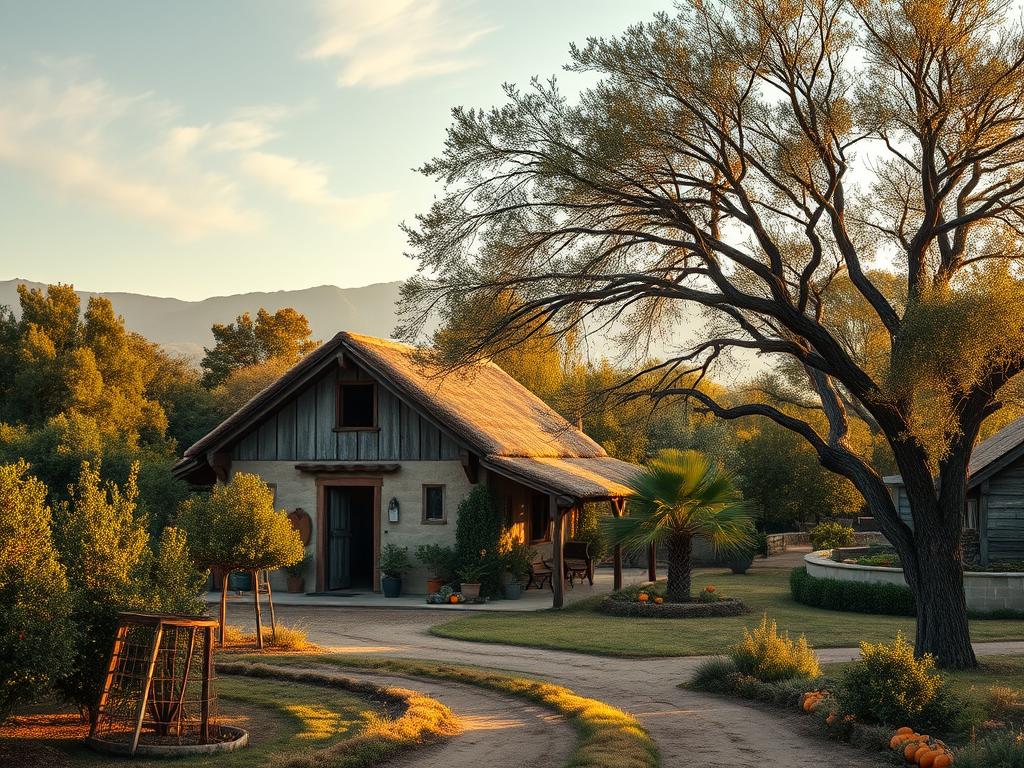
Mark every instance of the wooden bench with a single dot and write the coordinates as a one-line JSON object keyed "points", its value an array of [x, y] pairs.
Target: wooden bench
{"points": [[577, 562], [540, 571]]}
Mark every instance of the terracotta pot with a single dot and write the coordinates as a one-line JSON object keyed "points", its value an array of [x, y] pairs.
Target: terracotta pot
{"points": [[470, 591], [433, 585], [296, 584]]}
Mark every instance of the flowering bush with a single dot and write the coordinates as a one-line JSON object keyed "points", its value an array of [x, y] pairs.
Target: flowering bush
{"points": [[769, 656], [708, 595]]}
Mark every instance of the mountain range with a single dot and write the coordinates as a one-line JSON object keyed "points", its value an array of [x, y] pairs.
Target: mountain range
{"points": [[183, 327]]}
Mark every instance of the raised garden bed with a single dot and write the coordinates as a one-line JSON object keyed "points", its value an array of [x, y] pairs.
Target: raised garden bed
{"points": [[728, 606]]}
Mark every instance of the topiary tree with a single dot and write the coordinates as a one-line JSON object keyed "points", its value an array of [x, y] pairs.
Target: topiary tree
{"points": [[236, 528], [682, 495], [105, 550], [477, 533], [35, 639]]}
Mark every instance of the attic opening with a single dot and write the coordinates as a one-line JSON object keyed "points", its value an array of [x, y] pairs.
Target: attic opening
{"points": [[356, 405]]}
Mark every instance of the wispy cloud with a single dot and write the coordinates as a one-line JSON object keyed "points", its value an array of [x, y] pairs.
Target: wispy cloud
{"points": [[381, 43], [133, 154], [308, 184], [71, 132]]}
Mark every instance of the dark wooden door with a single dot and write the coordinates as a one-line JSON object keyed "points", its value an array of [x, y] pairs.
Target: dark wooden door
{"points": [[339, 538]]}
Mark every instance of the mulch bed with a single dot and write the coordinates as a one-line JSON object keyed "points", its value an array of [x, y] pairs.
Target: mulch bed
{"points": [[729, 606]]}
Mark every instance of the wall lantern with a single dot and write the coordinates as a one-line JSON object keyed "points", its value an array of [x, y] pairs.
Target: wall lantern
{"points": [[393, 510]]}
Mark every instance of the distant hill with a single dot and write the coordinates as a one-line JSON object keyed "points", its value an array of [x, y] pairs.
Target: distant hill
{"points": [[184, 326]]}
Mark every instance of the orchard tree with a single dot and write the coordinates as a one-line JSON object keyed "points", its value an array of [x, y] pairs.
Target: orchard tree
{"points": [[236, 528], [744, 156], [247, 342]]}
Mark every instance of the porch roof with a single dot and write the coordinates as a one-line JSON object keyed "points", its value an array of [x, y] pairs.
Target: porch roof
{"points": [[582, 479]]}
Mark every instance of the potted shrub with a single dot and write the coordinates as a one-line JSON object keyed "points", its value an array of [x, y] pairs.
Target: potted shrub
{"points": [[438, 560], [394, 561], [471, 575], [296, 579], [740, 560], [515, 558]]}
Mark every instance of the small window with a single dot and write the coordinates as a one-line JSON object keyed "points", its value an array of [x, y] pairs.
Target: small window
{"points": [[540, 528], [357, 406], [433, 504], [971, 515]]}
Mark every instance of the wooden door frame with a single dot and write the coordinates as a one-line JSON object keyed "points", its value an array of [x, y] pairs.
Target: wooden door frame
{"points": [[321, 516]]}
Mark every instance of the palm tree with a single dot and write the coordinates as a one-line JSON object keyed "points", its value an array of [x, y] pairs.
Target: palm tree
{"points": [[680, 496]]}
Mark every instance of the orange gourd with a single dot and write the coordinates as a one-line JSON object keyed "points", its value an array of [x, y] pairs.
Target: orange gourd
{"points": [[643, 597], [910, 749], [659, 600], [921, 751], [904, 731], [453, 599], [927, 760], [942, 760]]}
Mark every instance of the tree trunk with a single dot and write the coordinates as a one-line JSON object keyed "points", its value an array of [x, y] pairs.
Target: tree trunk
{"points": [[223, 605], [679, 568], [259, 618], [933, 568]]}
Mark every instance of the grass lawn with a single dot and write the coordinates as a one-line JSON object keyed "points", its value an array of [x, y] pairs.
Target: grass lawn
{"points": [[283, 719], [765, 590]]}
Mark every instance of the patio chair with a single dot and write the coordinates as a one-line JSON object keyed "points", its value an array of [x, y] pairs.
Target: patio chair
{"points": [[540, 571], [577, 562]]}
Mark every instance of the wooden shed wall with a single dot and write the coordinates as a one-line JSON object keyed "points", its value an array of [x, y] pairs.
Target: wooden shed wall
{"points": [[1006, 513], [303, 429]]}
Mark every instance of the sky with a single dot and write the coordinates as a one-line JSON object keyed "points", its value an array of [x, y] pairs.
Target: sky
{"points": [[194, 149]]}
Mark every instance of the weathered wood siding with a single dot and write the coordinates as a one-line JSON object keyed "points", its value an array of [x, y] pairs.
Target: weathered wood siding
{"points": [[303, 430], [1006, 513]]}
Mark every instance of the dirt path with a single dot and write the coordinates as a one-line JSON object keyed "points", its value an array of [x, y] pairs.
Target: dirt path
{"points": [[498, 731]]}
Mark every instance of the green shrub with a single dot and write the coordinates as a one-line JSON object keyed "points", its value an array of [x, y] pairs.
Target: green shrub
{"points": [[477, 534], [34, 632], [769, 656], [394, 560], [856, 596], [439, 560], [1002, 750], [714, 675], [176, 581], [889, 686], [831, 535]]}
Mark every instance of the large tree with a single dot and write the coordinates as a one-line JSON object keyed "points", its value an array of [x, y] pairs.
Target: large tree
{"points": [[743, 156], [284, 335]]}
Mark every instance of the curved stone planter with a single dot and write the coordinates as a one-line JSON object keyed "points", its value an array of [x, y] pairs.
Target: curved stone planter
{"points": [[985, 592], [235, 738]]}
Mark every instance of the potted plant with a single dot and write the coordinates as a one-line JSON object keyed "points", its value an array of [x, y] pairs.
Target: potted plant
{"points": [[471, 575], [438, 560], [296, 579], [516, 558], [740, 560], [394, 561]]}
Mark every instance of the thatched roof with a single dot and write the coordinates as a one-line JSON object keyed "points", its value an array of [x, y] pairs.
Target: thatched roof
{"points": [[512, 430]]}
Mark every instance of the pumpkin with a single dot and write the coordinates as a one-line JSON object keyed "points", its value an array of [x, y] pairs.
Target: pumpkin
{"points": [[920, 752], [896, 741], [659, 600], [942, 760], [453, 599], [910, 749], [927, 760], [643, 597], [709, 588], [904, 731]]}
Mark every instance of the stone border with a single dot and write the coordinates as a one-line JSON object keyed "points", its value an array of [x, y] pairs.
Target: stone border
{"points": [[985, 592], [171, 750], [729, 606]]}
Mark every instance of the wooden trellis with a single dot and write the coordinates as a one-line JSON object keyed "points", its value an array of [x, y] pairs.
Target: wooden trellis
{"points": [[159, 681]]}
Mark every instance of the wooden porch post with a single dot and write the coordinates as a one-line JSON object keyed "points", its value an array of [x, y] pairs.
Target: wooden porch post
{"points": [[617, 508], [557, 544], [652, 562]]}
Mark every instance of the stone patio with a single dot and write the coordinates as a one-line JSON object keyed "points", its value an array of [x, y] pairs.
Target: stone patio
{"points": [[531, 600]]}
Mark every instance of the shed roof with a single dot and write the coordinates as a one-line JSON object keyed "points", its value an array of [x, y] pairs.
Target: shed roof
{"points": [[990, 455], [496, 417]]}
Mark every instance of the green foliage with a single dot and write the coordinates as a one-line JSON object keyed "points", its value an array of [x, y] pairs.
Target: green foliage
{"points": [[176, 581], [516, 555], [712, 674], [394, 560], [769, 656], [859, 597], [439, 559], [1004, 749], [889, 685], [682, 495], [831, 535], [779, 474], [284, 335], [477, 533], [34, 605], [588, 529], [236, 527]]}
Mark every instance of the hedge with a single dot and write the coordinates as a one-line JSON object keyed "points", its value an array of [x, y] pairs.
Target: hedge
{"points": [[856, 596]]}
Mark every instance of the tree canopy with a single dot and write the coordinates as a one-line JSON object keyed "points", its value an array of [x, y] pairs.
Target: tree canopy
{"points": [[284, 335], [747, 156]]}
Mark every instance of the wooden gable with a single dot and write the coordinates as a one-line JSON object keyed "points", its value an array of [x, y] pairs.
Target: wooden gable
{"points": [[303, 428]]}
